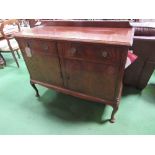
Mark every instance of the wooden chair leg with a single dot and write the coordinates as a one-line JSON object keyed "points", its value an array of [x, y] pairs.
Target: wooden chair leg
{"points": [[3, 59], [18, 54], [13, 54]]}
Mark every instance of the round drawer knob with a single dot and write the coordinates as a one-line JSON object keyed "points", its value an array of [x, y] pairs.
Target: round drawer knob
{"points": [[104, 54], [73, 51], [45, 47]]}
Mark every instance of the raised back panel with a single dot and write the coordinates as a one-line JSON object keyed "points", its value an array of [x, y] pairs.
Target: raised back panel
{"points": [[88, 23]]}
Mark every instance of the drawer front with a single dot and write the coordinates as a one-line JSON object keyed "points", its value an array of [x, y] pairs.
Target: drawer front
{"points": [[89, 52], [42, 46]]}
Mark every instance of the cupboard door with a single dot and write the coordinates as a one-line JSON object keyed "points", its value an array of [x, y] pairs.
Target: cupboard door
{"points": [[94, 79], [42, 63]]}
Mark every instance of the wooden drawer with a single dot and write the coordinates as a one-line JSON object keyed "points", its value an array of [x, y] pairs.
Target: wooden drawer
{"points": [[89, 52], [41, 46]]}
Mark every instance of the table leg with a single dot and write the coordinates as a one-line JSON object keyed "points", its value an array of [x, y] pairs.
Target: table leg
{"points": [[35, 88], [115, 109]]}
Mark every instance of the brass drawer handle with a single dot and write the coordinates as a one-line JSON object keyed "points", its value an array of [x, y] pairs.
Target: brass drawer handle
{"points": [[28, 49], [104, 54]]}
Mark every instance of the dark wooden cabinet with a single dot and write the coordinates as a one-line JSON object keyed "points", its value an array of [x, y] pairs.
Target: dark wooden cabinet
{"points": [[143, 67], [85, 62]]}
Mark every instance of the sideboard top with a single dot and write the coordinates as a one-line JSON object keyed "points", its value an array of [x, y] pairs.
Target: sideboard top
{"points": [[113, 36]]}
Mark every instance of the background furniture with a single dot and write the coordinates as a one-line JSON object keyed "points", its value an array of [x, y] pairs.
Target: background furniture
{"points": [[139, 73], [83, 59], [1, 61], [7, 42]]}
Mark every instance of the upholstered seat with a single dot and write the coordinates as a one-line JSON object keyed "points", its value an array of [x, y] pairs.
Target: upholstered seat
{"points": [[7, 42], [4, 45]]}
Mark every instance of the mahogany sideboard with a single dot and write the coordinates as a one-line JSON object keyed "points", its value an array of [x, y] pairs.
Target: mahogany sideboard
{"points": [[82, 61]]}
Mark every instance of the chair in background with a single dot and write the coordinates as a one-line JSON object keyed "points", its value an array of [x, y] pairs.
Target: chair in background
{"points": [[8, 42]]}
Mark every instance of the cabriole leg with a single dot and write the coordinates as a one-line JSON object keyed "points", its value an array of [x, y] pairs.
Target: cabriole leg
{"points": [[115, 108], [35, 88]]}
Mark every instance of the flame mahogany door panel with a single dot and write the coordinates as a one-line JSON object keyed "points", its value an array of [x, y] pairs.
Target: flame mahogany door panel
{"points": [[42, 60], [91, 78]]}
